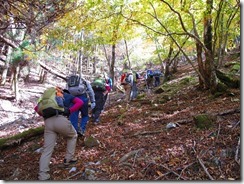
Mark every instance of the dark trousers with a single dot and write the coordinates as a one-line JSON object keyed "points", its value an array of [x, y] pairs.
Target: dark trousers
{"points": [[105, 99], [157, 81], [99, 97], [149, 81], [134, 91]]}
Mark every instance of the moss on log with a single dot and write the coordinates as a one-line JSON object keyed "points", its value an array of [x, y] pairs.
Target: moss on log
{"points": [[19, 138], [229, 80]]}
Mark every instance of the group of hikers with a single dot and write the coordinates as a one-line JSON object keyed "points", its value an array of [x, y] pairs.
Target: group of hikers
{"points": [[130, 79], [61, 108]]}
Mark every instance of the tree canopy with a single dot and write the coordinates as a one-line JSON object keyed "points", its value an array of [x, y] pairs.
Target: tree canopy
{"points": [[106, 33]]}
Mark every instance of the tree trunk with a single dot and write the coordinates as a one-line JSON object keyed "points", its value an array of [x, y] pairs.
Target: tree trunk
{"points": [[112, 63], [127, 54], [6, 66], [167, 65], [79, 61], [43, 76], [13, 71], [94, 70], [27, 77], [200, 65], [58, 74], [175, 65], [16, 83], [210, 74]]}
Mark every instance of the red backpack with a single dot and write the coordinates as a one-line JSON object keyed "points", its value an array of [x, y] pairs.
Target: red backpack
{"points": [[125, 79], [122, 79]]}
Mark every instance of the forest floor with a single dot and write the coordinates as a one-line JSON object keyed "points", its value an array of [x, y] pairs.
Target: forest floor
{"points": [[134, 142]]}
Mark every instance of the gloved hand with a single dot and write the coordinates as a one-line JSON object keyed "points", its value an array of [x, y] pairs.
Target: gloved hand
{"points": [[93, 104], [66, 112]]}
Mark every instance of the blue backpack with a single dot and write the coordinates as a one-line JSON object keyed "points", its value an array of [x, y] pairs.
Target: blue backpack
{"points": [[149, 73], [157, 73]]}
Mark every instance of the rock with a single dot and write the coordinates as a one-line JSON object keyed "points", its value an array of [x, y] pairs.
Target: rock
{"points": [[91, 141], [204, 121]]}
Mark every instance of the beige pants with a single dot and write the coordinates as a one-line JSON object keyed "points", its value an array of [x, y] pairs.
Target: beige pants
{"points": [[127, 89], [53, 126]]}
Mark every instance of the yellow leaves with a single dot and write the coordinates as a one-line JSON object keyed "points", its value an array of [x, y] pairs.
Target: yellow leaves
{"points": [[159, 173], [174, 161]]}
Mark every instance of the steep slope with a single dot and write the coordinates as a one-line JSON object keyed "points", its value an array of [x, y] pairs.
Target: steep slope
{"points": [[135, 143]]}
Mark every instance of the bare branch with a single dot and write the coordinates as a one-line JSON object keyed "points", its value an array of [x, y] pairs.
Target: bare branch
{"points": [[237, 152], [204, 168]]}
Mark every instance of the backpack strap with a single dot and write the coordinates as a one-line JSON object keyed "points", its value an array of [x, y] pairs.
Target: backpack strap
{"points": [[83, 81]]}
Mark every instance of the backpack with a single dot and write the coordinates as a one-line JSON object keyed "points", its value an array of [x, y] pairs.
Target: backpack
{"points": [[98, 85], [135, 76], [157, 73], [109, 82], [125, 79], [76, 85], [150, 73], [51, 98]]}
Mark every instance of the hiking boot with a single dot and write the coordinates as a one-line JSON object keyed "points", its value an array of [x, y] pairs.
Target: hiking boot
{"points": [[44, 176], [72, 161]]}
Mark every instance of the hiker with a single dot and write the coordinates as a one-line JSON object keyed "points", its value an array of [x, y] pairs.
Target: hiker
{"points": [[126, 81], [134, 89], [149, 79], [109, 82], [56, 122], [81, 88], [157, 74], [108, 86], [100, 89]]}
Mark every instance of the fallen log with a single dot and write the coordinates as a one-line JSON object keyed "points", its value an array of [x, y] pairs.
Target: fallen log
{"points": [[20, 138]]}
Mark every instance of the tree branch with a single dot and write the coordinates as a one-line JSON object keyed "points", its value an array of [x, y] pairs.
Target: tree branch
{"points": [[204, 168]]}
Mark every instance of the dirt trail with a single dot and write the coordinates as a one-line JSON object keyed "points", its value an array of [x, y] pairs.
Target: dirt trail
{"points": [[135, 144]]}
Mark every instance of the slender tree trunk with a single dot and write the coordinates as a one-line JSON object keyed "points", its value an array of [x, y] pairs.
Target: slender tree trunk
{"points": [[94, 70], [127, 54], [6, 66], [200, 65], [167, 65], [175, 62], [80, 61], [112, 62], [210, 74], [13, 71], [16, 83]]}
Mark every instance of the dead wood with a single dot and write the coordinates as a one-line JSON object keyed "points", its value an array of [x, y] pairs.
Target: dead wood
{"points": [[129, 155], [185, 169], [236, 124], [148, 132], [50, 70], [205, 169], [227, 112], [183, 121], [20, 138], [173, 172], [237, 152], [162, 175], [10, 98], [32, 91]]}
